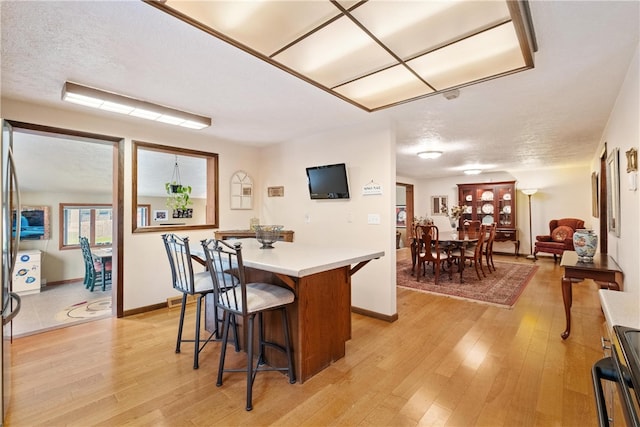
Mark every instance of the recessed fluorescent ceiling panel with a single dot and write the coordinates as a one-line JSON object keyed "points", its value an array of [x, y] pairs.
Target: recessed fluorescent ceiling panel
{"points": [[374, 54]]}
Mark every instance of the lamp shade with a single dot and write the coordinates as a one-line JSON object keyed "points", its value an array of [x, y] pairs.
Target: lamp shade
{"points": [[530, 191]]}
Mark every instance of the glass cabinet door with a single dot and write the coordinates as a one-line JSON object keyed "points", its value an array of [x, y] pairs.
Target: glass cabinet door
{"points": [[467, 200], [505, 206], [485, 208]]}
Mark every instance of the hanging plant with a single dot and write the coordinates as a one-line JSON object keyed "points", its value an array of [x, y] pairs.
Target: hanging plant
{"points": [[179, 197], [173, 187]]}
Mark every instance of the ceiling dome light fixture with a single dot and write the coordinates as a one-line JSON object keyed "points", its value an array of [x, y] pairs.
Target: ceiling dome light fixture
{"points": [[472, 172], [429, 154]]}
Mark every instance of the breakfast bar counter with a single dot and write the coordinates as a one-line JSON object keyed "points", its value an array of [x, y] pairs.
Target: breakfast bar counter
{"points": [[320, 317]]}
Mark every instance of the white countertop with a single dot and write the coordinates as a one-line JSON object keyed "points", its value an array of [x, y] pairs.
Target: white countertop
{"points": [[296, 259], [620, 308]]}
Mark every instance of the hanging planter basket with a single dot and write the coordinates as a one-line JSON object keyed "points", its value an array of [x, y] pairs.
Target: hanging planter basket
{"points": [[176, 188]]}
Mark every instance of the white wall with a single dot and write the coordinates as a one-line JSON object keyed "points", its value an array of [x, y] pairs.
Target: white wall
{"points": [[369, 154], [622, 132]]}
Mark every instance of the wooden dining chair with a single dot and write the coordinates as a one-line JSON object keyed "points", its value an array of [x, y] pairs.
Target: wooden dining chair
{"points": [[474, 253], [428, 250], [487, 251], [472, 226]]}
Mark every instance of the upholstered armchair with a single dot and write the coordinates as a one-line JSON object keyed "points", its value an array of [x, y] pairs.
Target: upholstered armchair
{"points": [[560, 237]]}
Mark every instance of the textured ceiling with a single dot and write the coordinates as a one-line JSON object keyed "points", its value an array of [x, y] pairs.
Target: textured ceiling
{"points": [[550, 116]]}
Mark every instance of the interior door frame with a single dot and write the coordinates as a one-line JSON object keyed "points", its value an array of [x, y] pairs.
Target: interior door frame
{"points": [[602, 203], [117, 196], [408, 188]]}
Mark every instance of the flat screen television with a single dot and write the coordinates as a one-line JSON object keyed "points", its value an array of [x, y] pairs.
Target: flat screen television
{"points": [[328, 181], [34, 223]]}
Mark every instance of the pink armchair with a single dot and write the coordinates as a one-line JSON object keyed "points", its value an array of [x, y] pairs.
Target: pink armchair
{"points": [[560, 237]]}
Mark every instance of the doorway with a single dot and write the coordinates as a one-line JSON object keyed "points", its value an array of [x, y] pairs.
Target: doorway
{"points": [[58, 166], [404, 198], [602, 203]]}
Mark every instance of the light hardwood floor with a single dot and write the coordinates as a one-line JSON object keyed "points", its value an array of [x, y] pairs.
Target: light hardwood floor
{"points": [[443, 362]]}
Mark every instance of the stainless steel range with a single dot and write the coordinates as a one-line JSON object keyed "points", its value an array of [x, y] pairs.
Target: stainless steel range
{"points": [[623, 369]]}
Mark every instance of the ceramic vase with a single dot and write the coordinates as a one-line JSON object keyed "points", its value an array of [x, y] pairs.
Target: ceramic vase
{"points": [[585, 243], [454, 227]]}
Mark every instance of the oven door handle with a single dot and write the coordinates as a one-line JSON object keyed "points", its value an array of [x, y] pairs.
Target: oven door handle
{"points": [[603, 369]]}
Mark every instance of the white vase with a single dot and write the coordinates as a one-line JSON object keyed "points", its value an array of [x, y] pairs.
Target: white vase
{"points": [[585, 243]]}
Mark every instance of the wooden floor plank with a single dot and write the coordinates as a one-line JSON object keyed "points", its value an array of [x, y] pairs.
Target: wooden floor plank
{"points": [[443, 362]]}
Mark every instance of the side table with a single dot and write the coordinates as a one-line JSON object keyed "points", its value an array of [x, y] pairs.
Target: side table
{"points": [[602, 270]]}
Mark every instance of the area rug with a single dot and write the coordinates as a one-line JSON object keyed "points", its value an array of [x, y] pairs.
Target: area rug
{"points": [[501, 288], [86, 310]]}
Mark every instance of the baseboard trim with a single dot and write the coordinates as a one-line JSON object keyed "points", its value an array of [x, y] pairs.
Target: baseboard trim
{"points": [[374, 314], [144, 309]]}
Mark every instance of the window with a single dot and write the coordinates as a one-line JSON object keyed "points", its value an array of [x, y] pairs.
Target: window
{"points": [[95, 222], [143, 215]]}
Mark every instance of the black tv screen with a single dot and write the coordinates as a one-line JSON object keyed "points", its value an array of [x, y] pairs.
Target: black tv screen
{"points": [[328, 181]]}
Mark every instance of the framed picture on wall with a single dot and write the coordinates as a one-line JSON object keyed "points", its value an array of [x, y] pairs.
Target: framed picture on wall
{"points": [[401, 216], [160, 215], [439, 205], [613, 191], [595, 211]]}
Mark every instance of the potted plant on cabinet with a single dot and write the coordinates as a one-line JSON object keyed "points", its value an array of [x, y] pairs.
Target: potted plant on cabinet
{"points": [[179, 199]]}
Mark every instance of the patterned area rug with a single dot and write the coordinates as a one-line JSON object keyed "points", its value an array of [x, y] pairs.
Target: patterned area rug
{"points": [[86, 310], [501, 288]]}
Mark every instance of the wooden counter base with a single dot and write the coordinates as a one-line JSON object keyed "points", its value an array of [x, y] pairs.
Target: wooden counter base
{"points": [[320, 334]]}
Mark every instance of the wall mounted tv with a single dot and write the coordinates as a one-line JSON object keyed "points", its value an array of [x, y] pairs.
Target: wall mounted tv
{"points": [[328, 182], [34, 223]]}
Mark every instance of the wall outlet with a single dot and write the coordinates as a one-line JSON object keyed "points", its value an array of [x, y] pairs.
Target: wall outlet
{"points": [[307, 218]]}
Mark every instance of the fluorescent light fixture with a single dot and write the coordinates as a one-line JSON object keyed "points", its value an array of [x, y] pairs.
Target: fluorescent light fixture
{"points": [[429, 154], [109, 101], [374, 54], [472, 172], [530, 191]]}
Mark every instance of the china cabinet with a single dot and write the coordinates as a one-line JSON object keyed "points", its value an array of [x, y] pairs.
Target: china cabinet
{"points": [[491, 202]]}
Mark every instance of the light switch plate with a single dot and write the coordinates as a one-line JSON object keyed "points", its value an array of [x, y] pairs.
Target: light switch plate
{"points": [[373, 218]]}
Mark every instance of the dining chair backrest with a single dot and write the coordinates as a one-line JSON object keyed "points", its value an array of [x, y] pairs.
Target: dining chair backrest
{"points": [[85, 248], [472, 226], [480, 244], [428, 237], [224, 261], [179, 255], [488, 247], [492, 229]]}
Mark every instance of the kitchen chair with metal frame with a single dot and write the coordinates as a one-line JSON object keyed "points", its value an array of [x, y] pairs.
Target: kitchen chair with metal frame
{"points": [[235, 297], [183, 279]]}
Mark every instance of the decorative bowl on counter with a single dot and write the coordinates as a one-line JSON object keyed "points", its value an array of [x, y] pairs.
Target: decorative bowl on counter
{"points": [[268, 234]]}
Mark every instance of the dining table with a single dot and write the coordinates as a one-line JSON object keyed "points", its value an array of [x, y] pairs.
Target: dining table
{"points": [[449, 240], [102, 256]]}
